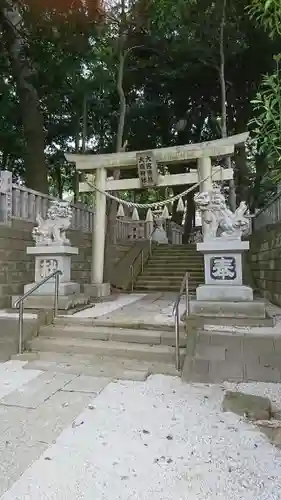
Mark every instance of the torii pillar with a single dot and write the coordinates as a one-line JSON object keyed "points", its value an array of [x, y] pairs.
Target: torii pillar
{"points": [[98, 288]]}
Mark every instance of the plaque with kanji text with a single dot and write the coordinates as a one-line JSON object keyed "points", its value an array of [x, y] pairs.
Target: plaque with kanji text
{"points": [[223, 268], [147, 168]]}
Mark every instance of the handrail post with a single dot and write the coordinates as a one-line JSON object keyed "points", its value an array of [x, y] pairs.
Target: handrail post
{"points": [[186, 295], [20, 327], [132, 278], [142, 259], [56, 297], [20, 302], [177, 328]]}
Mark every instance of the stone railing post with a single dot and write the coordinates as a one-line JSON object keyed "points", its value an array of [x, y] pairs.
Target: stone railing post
{"points": [[6, 199]]}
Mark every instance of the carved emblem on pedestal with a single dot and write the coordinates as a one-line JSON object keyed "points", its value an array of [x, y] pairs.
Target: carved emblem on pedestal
{"points": [[47, 267], [223, 268]]}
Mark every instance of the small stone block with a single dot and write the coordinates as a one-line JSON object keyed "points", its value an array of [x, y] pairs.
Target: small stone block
{"points": [[259, 373], [259, 346], [204, 338], [212, 353], [138, 376], [254, 407], [97, 290], [195, 370], [277, 345], [222, 371], [270, 360]]}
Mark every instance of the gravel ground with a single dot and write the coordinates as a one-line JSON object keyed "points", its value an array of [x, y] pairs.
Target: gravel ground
{"points": [[157, 440]]}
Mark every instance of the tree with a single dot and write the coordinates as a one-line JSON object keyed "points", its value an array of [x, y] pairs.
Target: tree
{"points": [[266, 123], [23, 72], [18, 24]]}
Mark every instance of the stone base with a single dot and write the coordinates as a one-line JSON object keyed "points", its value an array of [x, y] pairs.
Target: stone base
{"points": [[254, 309], [65, 302], [216, 357], [97, 290], [224, 292], [68, 288]]}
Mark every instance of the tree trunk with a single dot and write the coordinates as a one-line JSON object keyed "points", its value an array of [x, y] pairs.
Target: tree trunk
{"points": [[112, 205], [190, 215], [232, 194], [36, 172]]}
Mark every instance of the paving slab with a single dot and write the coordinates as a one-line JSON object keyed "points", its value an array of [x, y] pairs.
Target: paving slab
{"points": [[98, 367], [149, 308], [26, 433], [38, 390], [84, 383], [12, 377]]}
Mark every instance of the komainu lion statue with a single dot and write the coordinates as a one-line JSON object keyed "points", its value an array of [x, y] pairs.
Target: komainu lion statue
{"points": [[51, 231], [219, 219]]}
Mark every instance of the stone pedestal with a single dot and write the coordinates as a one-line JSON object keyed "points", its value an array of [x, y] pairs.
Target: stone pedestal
{"points": [[223, 271], [160, 235], [49, 258], [97, 290]]}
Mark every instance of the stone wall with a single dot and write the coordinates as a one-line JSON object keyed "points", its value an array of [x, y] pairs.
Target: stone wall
{"points": [[17, 268], [265, 261]]}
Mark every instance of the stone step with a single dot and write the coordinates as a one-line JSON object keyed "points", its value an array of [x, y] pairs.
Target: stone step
{"points": [[177, 252], [172, 271], [181, 253], [169, 246], [116, 323], [175, 263], [147, 277], [95, 366], [164, 282], [161, 288], [229, 322], [251, 309], [182, 258], [143, 352], [167, 278], [109, 333]]}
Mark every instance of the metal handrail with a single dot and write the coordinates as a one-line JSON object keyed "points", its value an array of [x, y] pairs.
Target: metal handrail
{"points": [[184, 289], [141, 254], [20, 302]]}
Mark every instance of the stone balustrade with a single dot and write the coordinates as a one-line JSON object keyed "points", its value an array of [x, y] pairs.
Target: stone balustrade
{"points": [[18, 202], [126, 229]]}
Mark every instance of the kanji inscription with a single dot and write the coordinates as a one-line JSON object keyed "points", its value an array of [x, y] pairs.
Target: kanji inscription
{"points": [[223, 268], [147, 169], [47, 266]]}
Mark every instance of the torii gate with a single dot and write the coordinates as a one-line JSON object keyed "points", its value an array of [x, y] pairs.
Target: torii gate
{"points": [[202, 152]]}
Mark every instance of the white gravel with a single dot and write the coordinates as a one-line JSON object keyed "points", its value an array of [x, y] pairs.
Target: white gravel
{"points": [[157, 440]]}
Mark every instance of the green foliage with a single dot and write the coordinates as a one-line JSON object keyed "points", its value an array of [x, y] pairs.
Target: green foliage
{"points": [[171, 76], [268, 14], [266, 122]]}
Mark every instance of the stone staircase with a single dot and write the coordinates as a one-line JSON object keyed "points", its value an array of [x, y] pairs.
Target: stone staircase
{"points": [[165, 269], [105, 344]]}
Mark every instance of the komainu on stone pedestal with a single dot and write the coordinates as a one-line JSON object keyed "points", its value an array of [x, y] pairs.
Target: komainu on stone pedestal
{"points": [[52, 230]]}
